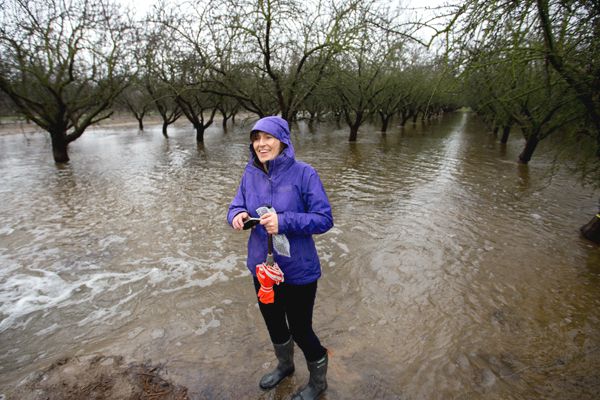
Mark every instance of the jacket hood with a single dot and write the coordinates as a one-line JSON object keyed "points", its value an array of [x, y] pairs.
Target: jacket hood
{"points": [[277, 127]]}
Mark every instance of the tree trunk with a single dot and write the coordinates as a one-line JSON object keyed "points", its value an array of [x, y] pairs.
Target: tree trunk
{"points": [[527, 152], [505, 133], [284, 115], [199, 133], [404, 119], [591, 230], [415, 117], [164, 129], [59, 147], [312, 117], [385, 122], [354, 125], [353, 133], [140, 123], [338, 120], [225, 119]]}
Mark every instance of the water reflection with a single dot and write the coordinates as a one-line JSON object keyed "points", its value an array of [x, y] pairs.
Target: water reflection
{"points": [[452, 271]]}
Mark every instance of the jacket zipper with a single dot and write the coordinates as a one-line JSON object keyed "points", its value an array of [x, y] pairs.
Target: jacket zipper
{"points": [[269, 175]]}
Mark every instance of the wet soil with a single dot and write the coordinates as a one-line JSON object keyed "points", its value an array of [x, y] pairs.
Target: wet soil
{"points": [[98, 378]]}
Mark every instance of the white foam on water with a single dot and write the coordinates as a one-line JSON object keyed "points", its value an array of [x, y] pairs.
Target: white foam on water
{"points": [[23, 294], [192, 272], [8, 266], [110, 240], [157, 333], [6, 230], [51, 329], [211, 280], [208, 320], [229, 263], [205, 328], [345, 249], [135, 332], [106, 315], [101, 295]]}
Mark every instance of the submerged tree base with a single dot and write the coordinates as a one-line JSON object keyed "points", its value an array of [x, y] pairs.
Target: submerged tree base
{"points": [[591, 230]]}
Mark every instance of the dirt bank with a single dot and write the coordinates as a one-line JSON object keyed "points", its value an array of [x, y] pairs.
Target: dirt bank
{"points": [[98, 378]]}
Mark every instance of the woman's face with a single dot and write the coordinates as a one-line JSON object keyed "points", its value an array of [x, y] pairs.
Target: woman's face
{"points": [[266, 146]]}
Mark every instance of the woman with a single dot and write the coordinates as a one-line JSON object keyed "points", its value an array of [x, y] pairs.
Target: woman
{"points": [[274, 178]]}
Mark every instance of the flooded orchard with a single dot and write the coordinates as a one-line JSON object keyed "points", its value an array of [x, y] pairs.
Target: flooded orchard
{"points": [[452, 272]]}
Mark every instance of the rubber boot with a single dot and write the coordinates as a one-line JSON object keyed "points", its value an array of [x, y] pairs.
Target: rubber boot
{"points": [[317, 383], [285, 367]]}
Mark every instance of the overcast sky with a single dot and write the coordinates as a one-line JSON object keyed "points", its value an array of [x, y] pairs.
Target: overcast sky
{"points": [[420, 7], [142, 6]]}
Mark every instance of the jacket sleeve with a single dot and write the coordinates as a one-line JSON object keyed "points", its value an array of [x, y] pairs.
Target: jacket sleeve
{"points": [[317, 217], [238, 204]]}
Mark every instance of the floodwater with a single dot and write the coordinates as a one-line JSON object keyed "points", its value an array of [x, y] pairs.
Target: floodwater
{"points": [[451, 273]]}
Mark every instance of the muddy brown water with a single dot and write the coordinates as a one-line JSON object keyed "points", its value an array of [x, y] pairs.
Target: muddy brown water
{"points": [[451, 273]]}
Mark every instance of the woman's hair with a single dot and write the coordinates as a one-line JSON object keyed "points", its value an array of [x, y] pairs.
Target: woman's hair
{"points": [[253, 136]]}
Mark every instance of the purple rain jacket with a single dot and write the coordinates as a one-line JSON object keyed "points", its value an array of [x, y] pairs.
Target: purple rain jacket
{"points": [[295, 190]]}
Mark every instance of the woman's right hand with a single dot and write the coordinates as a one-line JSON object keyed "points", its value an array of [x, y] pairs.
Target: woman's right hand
{"points": [[238, 221]]}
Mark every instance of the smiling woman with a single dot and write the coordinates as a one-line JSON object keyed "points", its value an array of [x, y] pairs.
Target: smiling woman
{"points": [[266, 146], [298, 209]]}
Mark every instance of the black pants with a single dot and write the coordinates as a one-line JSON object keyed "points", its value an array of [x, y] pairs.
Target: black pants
{"points": [[291, 315]]}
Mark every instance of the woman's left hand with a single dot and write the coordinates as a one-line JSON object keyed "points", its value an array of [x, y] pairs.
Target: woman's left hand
{"points": [[270, 222]]}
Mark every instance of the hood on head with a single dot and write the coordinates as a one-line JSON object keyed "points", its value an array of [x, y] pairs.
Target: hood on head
{"points": [[277, 127]]}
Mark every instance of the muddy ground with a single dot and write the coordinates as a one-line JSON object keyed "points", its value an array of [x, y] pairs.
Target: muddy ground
{"points": [[98, 378]]}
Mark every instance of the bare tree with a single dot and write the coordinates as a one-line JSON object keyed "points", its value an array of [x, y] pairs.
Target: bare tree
{"points": [[269, 55], [563, 39], [564, 36], [572, 43], [160, 70], [137, 100], [360, 71], [228, 107], [63, 64], [164, 101]]}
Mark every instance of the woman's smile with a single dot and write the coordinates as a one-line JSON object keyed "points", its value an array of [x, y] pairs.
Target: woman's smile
{"points": [[266, 147]]}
